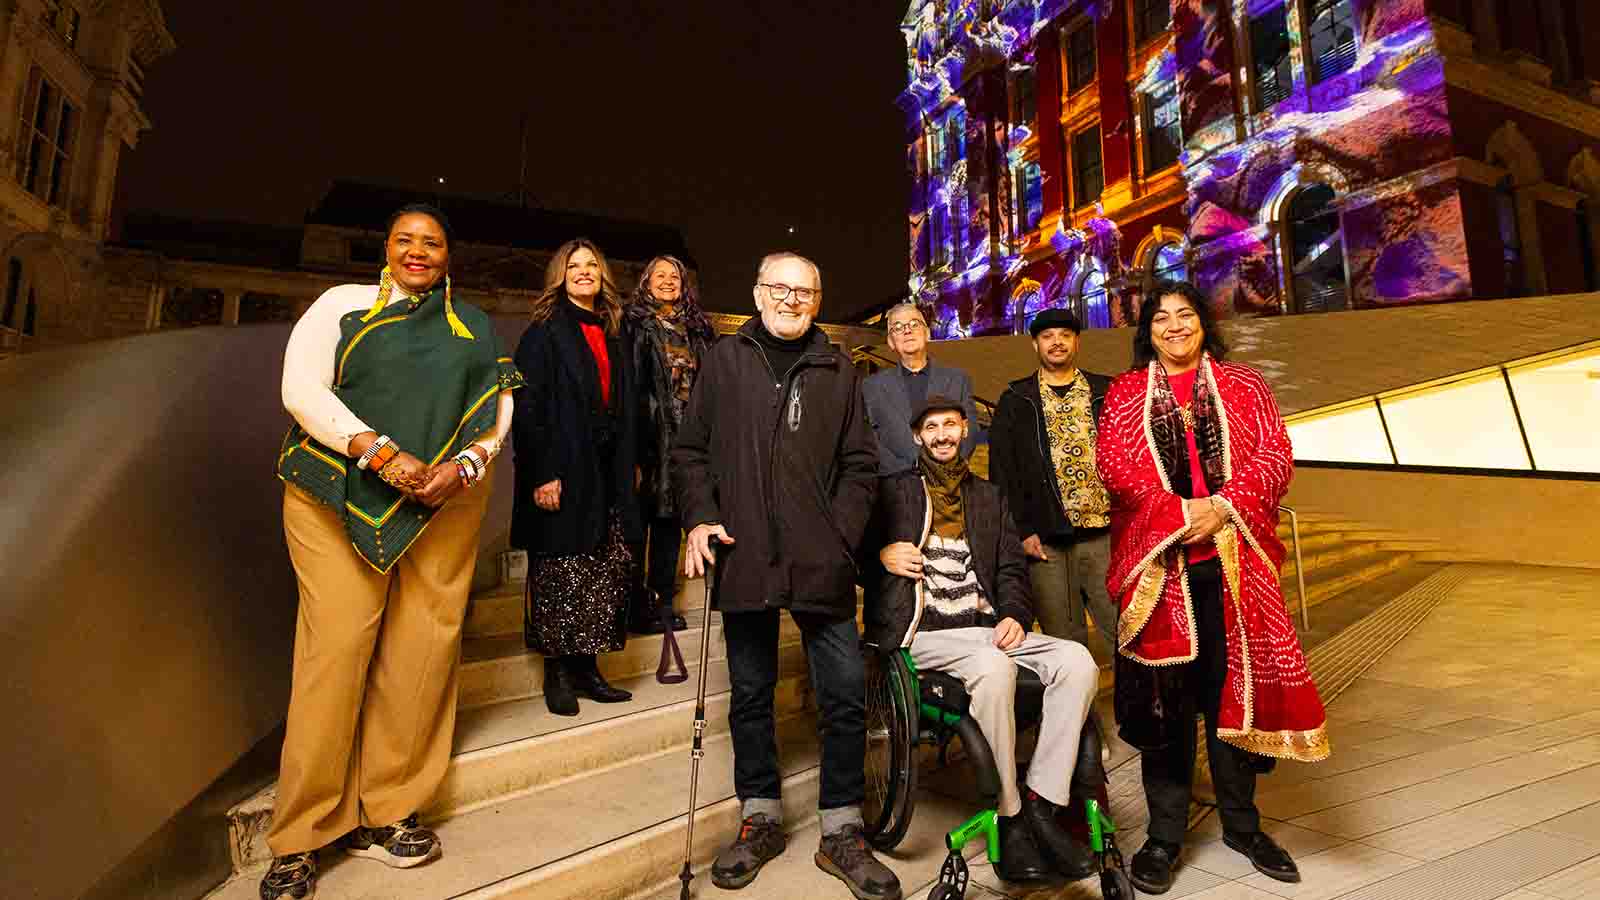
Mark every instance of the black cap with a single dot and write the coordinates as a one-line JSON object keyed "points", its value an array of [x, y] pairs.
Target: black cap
{"points": [[1055, 318], [936, 403]]}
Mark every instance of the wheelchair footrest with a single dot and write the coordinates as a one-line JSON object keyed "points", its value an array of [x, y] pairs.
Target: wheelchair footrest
{"points": [[953, 877]]}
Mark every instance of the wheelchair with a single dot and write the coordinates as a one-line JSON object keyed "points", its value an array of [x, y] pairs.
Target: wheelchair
{"points": [[906, 709]]}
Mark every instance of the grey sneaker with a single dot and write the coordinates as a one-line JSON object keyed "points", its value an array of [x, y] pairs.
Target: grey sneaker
{"points": [[760, 840], [401, 845], [293, 875], [846, 856]]}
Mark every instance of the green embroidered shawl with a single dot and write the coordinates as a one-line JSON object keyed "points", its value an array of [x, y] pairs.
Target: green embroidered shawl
{"points": [[407, 374]]}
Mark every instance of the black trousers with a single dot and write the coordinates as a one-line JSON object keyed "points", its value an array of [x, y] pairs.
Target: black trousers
{"points": [[838, 677], [1169, 773]]}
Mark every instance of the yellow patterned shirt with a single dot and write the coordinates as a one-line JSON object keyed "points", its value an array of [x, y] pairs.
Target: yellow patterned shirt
{"points": [[1069, 424]]}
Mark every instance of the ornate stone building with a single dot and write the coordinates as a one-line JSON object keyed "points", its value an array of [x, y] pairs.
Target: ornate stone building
{"points": [[1287, 155], [71, 79]]}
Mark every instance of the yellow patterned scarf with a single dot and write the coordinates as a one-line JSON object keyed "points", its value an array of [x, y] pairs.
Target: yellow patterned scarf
{"points": [[1069, 424]]}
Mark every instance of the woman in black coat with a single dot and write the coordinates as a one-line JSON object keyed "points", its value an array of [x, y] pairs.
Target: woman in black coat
{"points": [[575, 510]]}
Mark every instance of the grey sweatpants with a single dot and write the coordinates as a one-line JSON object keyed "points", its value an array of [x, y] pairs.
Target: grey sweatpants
{"points": [[990, 676], [1060, 584]]}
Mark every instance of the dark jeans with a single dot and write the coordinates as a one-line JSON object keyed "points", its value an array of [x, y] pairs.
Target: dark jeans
{"points": [[838, 678], [1168, 774]]}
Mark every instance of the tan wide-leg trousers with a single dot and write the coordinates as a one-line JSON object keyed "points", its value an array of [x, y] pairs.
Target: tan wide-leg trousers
{"points": [[372, 709]]}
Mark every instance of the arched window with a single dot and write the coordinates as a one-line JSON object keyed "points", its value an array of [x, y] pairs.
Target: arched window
{"points": [[1505, 208], [1092, 305], [1167, 263], [1316, 251]]}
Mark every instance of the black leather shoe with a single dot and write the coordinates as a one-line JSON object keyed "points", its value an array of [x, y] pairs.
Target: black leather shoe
{"points": [[1069, 857], [1264, 853], [587, 680], [1020, 859], [558, 695], [1152, 866]]}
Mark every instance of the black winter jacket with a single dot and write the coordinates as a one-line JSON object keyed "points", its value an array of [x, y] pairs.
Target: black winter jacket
{"points": [[553, 436], [1019, 457], [893, 606], [659, 428], [787, 463]]}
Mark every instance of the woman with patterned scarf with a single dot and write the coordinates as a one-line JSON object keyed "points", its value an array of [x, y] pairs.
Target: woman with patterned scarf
{"points": [[401, 400], [1196, 458], [669, 336]]}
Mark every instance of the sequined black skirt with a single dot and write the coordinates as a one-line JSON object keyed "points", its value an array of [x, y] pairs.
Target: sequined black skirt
{"points": [[579, 604]]}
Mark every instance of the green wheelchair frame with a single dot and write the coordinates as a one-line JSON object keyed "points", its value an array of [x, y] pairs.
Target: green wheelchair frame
{"points": [[901, 717]]}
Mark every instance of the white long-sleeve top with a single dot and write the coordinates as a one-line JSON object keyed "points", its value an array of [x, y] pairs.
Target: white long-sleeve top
{"points": [[308, 370]]}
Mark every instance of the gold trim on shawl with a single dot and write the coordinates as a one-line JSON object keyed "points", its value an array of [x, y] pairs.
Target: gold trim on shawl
{"points": [[1300, 746]]}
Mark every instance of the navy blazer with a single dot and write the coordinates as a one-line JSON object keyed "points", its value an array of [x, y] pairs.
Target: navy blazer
{"points": [[889, 410]]}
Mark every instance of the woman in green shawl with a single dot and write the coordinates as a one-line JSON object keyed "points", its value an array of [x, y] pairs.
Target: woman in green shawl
{"points": [[401, 401]]}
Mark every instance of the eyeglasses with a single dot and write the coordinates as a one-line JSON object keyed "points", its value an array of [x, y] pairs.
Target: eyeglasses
{"points": [[907, 327], [782, 292]]}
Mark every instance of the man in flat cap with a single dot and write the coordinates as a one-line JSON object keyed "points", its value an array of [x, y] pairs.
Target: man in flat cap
{"points": [[956, 595], [1041, 453]]}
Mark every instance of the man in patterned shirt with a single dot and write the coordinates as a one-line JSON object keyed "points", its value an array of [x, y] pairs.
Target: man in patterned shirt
{"points": [[1041, 453]]}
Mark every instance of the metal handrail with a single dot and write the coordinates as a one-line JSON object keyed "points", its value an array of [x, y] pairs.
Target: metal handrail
{"points": [[1299, 566]]}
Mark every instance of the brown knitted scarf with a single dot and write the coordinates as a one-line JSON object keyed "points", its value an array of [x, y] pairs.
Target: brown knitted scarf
{"points": [[944, 487]]}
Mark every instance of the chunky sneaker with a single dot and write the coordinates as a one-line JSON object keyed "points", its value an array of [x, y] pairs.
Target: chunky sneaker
{"points": [[760, 840], [293, 875], [846, 856], [1151, 871], [401, 845]]}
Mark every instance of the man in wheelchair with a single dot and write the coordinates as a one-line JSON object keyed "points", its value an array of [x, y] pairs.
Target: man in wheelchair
{"points": [[957, 596]]}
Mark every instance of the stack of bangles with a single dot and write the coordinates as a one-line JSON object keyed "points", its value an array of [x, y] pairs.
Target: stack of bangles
{"points": [[469, 466]]}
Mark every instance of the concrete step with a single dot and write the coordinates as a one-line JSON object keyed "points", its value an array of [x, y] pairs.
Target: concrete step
{"points": [[1329, 555], [1333, 580], [509, 749], [498, 669], [603, 834], [498, 611]]}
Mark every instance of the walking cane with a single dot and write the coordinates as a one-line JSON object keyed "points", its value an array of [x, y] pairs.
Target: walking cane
{"points": [[697, 752]]}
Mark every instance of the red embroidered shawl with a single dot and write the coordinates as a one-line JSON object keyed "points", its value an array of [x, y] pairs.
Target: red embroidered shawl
{"points": [[1269, 704]]}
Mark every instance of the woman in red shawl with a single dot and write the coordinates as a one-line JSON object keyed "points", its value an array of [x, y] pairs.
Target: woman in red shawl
{"points": [[1196, 458]]}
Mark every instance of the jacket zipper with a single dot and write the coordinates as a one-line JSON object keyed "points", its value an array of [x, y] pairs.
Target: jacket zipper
{"points": [[919, 599]]}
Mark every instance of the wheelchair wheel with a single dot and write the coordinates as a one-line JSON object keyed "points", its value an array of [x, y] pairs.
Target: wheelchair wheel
{"points": [[891, 765]]}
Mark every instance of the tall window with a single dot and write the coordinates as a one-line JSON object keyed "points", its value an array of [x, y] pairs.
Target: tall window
{"points": [[49, 123], [1151, 18], [1591, 274], [1024, 94], [1088, 175], [1030, 196], [955, 139], [1333, 38], [13, 291], [1269, 44], [1505, 201], [1316, 251], [1081, 61], [65, 19], [1094, 310], [1163, 132]]}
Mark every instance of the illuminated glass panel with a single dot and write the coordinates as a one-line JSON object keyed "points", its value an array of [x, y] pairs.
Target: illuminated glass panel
{"points": [[1333, 38], [1093, 303], [1168, 263], [1354, 435], [1269, 41], [1032, 195], [1559, 401], [1467, 423]]}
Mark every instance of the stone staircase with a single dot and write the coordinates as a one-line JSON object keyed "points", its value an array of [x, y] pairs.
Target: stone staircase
{"points": [[593, 806], [1341, 555]]}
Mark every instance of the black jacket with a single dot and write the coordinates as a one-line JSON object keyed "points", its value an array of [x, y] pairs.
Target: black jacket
{"points": [[555, 432], [659, 428], [1019, 457], [894, 604], [787, 463]]}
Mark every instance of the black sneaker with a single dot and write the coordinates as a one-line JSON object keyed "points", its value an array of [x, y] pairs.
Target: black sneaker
{"points": [[760, 840], [401, 845], [846, 856], [293, 875]]}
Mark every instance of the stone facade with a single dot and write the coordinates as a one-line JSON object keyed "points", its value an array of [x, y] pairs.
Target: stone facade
{"points": [[71, 81], [1286, 155]]}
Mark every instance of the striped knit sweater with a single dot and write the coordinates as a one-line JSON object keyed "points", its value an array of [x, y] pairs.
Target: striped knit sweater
{"points": [[953, 598]]}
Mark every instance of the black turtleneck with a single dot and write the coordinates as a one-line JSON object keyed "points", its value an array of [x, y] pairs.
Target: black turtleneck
{"points": [[781, 354]]}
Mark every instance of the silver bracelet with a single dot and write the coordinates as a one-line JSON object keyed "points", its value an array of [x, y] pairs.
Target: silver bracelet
{"points": [[372, 450]]}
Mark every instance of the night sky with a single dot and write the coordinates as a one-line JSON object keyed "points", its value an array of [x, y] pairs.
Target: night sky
{"points": [[732, 120]]}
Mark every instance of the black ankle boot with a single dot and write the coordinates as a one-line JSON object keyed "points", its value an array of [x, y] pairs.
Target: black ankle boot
{"points": [[644, 614], [558, 695], [1020, 860], [587, 680]]}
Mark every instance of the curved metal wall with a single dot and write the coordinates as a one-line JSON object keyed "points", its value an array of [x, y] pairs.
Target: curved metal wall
{"points": [[146, 600]]}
